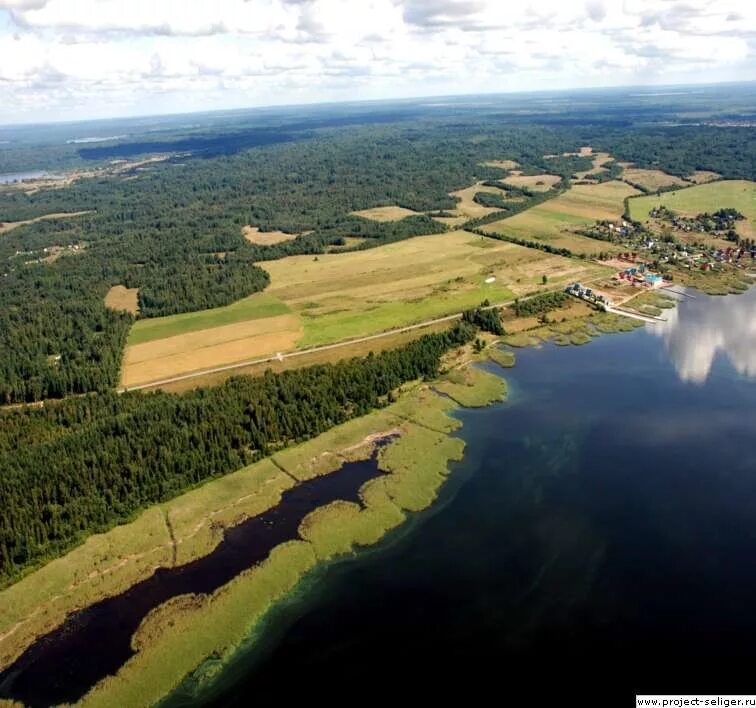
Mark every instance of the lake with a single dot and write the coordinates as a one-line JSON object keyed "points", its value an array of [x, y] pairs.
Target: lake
{"points": [[11, 177], [597, 541]]}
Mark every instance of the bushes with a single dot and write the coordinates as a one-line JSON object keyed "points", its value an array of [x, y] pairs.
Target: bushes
{"points": [[539, 304], [489, 320]]}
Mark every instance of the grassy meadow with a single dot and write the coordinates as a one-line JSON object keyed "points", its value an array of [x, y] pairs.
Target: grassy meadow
{"points": [[738, 194], [333, 297], [340, 296], [555, 221], [254, 307]]}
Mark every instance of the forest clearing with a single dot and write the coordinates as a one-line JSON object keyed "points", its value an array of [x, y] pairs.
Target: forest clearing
{"points": [[314, 301], [535, 183], [385, 213], [651, 180], [119, 297], [266, 238], [555, 221]]}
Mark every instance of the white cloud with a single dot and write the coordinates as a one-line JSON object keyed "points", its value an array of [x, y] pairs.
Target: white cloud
{"points": [[696, 331], [134, 56]]}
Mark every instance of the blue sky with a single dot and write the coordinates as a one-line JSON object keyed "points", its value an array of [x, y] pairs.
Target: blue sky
{"points": [[75, 59]]}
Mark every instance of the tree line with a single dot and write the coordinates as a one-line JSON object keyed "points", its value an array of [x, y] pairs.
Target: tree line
{"points": [[539, 304], [173, 229], [82, 465]]}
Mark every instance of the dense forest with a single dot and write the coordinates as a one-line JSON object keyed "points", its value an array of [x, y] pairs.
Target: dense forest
{"points": [[86, 463], [172, 229]]}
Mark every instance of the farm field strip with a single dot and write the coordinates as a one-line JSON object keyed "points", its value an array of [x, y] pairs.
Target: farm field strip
{"points": [[288, 355], [10, 225], [342, 299], [296, 359], [354, 294], [258, 306], [201, 350], [555, 220], [282, 358]]}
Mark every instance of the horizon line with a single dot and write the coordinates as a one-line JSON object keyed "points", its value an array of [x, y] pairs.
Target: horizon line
{"points": [[368, 101]]}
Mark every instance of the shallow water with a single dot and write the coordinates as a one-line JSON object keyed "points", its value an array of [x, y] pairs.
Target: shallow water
{"points": [[10, 177], [96, 642], [597, 540]]}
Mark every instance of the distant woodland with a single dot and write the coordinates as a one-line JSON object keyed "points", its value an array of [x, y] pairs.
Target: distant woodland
{"points": [[173, 229]]}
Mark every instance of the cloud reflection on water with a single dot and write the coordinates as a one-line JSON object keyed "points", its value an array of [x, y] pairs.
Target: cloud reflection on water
{"points": [[698, 329]]}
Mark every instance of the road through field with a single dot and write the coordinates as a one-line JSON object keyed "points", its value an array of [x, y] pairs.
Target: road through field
{"points": [[312, 350], [291, 355], [326, 347]]}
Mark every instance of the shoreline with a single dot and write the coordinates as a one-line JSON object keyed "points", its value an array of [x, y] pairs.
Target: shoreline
{"points": [[322, 455], [420, 415]]}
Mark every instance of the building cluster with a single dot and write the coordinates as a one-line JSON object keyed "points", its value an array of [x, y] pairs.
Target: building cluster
{"points": [[641, 276], [587, 294], [721, 222], [655, 252], [50, 254], [614, 231]]}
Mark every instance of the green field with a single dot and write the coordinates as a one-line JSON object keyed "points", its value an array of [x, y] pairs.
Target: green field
{"points": [[341, 296], [334, 297], [254, 307], [555, 221], [347, 324], [738, 194]]}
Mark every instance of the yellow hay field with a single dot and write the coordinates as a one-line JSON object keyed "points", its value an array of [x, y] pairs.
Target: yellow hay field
{"points": [[265, 238], [467, 207], [205, 349], [502, 164], [386, 213], [120, 297], [10, 225], [535, 183], [702, 176], [651, 179]]}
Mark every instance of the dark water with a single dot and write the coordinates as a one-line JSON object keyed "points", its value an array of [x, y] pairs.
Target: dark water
{"points": [[598, 540], [96, 642]]}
